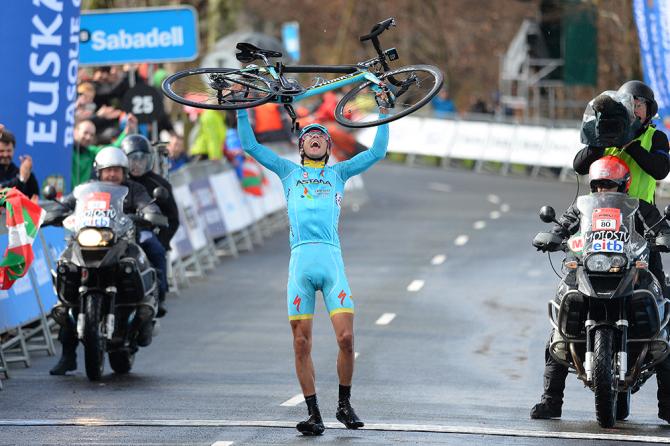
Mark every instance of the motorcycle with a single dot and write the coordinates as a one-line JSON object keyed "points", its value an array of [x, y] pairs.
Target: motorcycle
{"points": [[103, 279], [609, 316]]}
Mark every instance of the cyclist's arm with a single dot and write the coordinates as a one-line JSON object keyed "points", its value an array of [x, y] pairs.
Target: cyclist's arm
{"points": [[586, 157], [364, 160], [265, 156]]}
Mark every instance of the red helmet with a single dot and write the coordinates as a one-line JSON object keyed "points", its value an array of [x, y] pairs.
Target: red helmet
{"points": [[609, 171]]}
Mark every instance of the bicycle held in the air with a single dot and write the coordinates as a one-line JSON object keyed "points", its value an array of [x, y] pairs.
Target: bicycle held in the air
{"points": [[375, 85]]}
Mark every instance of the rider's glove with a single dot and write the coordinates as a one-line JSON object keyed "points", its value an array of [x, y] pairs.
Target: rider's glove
{"points": [[547, 241]]}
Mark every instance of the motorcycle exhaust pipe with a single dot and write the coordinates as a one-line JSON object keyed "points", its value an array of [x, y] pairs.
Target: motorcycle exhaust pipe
{"points": [[81, 322]]}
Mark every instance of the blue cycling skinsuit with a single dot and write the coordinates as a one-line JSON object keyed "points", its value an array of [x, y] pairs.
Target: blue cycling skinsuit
{"points": [[314, 194]]}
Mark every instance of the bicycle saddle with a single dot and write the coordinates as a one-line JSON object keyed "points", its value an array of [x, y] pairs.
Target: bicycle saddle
{"points": [[248, 52]]}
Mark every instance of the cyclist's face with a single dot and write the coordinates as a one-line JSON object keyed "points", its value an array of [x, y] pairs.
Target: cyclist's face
{"points": [[315, 144]]}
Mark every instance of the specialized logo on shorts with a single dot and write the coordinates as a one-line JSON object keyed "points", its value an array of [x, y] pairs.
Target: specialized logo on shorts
{"points": [[305, 194], [338, 199], [342, 296], [296, 302]]}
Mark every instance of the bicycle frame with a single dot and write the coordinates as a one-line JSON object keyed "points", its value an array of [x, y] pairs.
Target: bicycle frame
{"points": [[352, 75]]}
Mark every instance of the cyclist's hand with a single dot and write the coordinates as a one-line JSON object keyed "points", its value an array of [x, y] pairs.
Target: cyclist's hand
{"points": [[382, 99]]}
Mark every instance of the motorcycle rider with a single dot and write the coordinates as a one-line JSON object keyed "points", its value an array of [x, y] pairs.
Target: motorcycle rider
{"points": [[607, 174], [140, 161], [111, 165]]}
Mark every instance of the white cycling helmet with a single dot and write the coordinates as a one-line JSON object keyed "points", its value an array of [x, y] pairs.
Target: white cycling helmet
{"points": [[110, 156]]}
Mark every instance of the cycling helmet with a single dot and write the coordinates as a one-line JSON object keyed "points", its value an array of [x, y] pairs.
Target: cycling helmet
{"points": [[609, 171], [140, 154], [110, 156], [640, 90]]}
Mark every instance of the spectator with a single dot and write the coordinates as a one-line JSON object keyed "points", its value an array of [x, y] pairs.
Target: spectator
{"points": [[208, 136], [85, 150], [22, 177], [442, 104], [177, 155], [269, 123], [477, 105]]}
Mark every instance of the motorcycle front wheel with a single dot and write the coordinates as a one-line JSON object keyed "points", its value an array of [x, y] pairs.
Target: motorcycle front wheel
{"points": [[94, 342], [604, 378]]}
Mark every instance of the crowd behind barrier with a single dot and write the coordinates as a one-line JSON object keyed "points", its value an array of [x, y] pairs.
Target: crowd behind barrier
{"points": [[535, 146], [217, 219]]}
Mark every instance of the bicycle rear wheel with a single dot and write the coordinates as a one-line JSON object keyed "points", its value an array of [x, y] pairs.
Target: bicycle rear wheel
{"points": [[218, 88], [413, 86]]}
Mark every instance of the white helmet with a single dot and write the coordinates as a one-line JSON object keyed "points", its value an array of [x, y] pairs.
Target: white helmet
{"points": [[110, 156]]}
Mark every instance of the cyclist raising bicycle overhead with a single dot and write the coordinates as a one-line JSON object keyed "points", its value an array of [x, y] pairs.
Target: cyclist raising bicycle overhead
{"points": [[314, 192]]}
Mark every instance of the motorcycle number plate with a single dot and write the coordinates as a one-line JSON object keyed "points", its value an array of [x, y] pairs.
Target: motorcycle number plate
{"points": [[606, 219]]}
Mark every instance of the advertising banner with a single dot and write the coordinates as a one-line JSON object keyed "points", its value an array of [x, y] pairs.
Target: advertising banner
{"points": [[40, 51]]}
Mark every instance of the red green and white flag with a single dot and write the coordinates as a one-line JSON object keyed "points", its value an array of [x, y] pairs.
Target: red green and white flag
{"points": [[23, 218]]}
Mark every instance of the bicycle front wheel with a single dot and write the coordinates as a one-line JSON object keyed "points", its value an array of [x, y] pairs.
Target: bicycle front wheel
{"points": [[411, 88], [218, 88]]}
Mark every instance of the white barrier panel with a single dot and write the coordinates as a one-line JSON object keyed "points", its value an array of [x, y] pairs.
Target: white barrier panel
{"points": [[194, 227], [434, 138], [500, 143], [230, 199], [561, 148], [273, 193], [470, 140], [528, 145]]}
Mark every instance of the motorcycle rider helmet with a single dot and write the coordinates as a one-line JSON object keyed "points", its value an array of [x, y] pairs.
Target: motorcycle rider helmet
{"points": [[110, 156], [609, 172], [140, 154], [314, 127], [641, 91]]}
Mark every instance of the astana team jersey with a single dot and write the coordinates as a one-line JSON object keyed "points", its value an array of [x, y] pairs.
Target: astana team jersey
{"points": [[313, 194]]}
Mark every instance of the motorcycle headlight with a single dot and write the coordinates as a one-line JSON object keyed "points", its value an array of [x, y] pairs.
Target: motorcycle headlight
{"points": [[95, 237], [599, 263]]}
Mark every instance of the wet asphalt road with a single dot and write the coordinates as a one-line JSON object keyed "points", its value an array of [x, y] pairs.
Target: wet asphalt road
{"points": [[458, 362]]}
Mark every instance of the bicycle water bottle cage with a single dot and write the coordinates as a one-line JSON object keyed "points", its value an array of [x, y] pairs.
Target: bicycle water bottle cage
{"points": [[248, 53]]}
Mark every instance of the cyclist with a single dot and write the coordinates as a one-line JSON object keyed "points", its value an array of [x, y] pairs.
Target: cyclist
{"points": [[608, 174], [314, 192]]}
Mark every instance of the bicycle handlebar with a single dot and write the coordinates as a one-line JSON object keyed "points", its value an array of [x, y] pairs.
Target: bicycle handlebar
{"points": [[378, 29]]}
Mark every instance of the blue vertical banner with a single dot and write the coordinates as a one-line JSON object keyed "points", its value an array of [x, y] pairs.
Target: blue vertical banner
{"points": [[290, 32], [39, 45], [653, 27]]}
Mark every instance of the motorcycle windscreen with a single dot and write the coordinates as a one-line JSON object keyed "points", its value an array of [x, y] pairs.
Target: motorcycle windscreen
{"points": [[607, 224], [99, 205]]}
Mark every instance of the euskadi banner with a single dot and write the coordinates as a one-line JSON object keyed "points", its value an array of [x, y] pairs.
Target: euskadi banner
{"points": [[39, 50], [653, 27]]}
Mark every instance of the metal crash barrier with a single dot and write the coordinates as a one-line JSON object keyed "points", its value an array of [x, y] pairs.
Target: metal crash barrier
{"points": [[217, 218]]}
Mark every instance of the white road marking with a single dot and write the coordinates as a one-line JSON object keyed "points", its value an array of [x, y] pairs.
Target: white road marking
{"points": [[493, 199], [494, 215], [223, 443], [299, 398], [473, 430], [439, 187], [438, 259], [356, 355], [534, 273], [480, 224], [385, 319], [461, 240], [504, 207], [415, 285], [355, 207]]}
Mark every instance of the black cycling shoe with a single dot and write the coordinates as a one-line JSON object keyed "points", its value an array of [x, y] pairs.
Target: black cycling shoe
{"points": [[311, 426], [346, 415], [67, 363], [545, 411]]}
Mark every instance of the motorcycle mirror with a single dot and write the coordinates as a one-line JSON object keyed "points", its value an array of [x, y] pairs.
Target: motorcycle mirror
{"points": [[666, 211], [547, 214], [160, 194], [49, 192]]}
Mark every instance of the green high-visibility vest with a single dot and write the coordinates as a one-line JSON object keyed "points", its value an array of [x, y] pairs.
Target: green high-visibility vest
{"points": [[642, 185]]}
